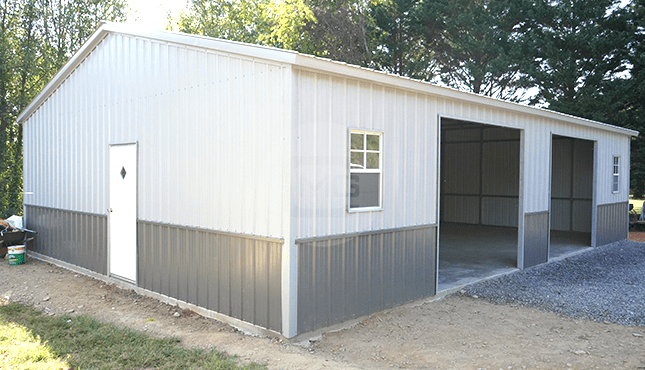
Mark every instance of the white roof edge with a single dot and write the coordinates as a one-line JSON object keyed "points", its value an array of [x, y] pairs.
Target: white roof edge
{"points": [[303, 61]]}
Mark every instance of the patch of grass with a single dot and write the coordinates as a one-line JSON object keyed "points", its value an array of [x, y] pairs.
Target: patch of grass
{"points": [[20, 349], [83, 342]]}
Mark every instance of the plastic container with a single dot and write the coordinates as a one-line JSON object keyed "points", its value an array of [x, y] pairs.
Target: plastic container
{"points": [[16, 254]]}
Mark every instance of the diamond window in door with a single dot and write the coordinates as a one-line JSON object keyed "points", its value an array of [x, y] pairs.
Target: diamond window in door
{"points": [[123, 173]]}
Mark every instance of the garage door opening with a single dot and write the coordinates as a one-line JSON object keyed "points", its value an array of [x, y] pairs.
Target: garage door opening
{"points": [[572, 162], [479, 201]]}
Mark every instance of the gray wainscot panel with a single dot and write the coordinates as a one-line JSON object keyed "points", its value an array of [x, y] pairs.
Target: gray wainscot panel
{"points": [[74, 237], [342, 277], [536, 238], [613, 223], [233, 274]]}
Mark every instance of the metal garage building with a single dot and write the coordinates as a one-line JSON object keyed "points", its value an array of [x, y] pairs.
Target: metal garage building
{"points": [[286, 193]]}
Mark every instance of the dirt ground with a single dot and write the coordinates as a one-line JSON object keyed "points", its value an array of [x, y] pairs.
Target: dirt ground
{"points": [[452, 333]]}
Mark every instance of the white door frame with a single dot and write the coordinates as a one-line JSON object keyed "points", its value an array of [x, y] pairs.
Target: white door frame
{"points": [[131, 274]]}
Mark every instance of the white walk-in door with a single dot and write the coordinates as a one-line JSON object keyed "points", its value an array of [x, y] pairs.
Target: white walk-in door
{"points": [[123, 211]]}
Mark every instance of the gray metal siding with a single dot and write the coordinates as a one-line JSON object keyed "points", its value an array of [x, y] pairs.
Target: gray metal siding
{"points": [[74, 237], [536, 238], [348, 276], [613, 223], [236, 275]]}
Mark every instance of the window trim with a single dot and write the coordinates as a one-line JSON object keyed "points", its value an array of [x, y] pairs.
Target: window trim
{"points": [[351, 170], [615, 178]]}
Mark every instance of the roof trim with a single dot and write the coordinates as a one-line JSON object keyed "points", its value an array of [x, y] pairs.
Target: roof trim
{"points": [[302, 61]]}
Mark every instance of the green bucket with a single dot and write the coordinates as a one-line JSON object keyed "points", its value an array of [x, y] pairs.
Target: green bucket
{"points": [[16, 254]]}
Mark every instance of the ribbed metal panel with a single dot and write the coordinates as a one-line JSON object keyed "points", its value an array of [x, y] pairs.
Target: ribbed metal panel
{"points": [[501, 168], [479, 174], [572, 184], [536, 166], [236, 275], [211, 129], [348, 276], [561, 214], [74, 237], [325, 108], [460, 208], [499, 211], [613, 223], [461, 168], [536, 238]]}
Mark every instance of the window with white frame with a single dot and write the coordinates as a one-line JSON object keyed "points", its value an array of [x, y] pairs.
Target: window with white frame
{"points": [[615, 179], [365, 164]]}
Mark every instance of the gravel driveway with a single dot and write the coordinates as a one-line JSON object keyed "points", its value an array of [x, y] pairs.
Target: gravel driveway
{"points": [[605, 284]]}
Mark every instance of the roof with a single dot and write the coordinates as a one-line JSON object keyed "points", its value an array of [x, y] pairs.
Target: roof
{"points": [[298, 60]]}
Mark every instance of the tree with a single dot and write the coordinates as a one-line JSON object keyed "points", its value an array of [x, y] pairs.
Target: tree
{"points": [[244, 21], [36, 39], [571, 48], [396, 47], [474, 43], [338, 30], [261, 22], [629, 94]]}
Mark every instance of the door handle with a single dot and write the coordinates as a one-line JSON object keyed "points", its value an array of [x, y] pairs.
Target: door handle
{"points": [[109, 209]]}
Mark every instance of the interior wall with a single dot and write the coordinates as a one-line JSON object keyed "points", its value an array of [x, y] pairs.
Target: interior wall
{"points": [[479, 173], [571, 184]]}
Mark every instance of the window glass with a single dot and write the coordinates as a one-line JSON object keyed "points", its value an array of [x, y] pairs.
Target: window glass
{"points": [[372, 160], [365, 170], [365, 190], [357, 160], [615, 179], [373, 142], [357, 141]]}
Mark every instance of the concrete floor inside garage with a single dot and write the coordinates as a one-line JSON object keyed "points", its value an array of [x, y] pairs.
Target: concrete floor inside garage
{"points": [[468, 253]]}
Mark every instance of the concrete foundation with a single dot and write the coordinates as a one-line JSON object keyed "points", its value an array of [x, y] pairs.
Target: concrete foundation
{"points": [[468, 253]]}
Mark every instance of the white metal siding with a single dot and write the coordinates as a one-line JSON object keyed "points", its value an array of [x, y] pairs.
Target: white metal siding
{"points": [[211, 128], [325, 108]]}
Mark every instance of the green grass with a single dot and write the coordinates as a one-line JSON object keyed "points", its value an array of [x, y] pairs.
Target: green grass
{"points": [[29, 340], [19, 349]]}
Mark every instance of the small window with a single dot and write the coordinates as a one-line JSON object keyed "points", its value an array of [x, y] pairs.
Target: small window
{"points": [[615, 180], [365, 162]]}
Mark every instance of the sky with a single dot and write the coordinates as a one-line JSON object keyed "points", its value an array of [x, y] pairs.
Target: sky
{"points": [[151, 14]]}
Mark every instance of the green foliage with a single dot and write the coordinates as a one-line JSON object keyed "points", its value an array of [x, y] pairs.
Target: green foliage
{"points": [[587, 59], [340, 30], [571, 48], [86, 343], [334, 30], [36, 39], [474, 43], [244, 21], [262, 22], [396, 45]]}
